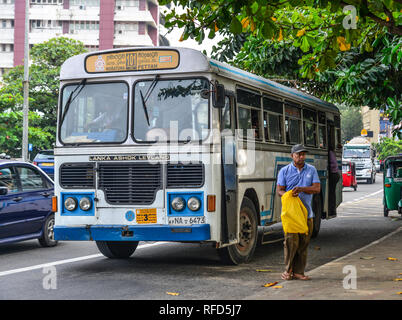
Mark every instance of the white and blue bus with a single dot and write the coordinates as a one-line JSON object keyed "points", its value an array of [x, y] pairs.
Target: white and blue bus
{"points": [[165, 144]]}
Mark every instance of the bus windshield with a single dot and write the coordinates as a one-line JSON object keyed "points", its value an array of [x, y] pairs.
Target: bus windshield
{"points": [[97, 113], [170, 110], [356, 153]]}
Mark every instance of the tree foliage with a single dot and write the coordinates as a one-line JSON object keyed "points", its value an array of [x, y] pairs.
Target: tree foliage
{"points": [[11, 133], [352, 122], [388, 147], [337, 52]]}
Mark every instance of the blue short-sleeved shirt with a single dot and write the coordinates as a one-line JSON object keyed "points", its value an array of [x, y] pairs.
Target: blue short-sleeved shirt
{"points": [[290, 177]]}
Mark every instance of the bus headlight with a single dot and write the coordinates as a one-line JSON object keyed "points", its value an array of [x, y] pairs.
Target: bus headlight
{"points": [[194, 204], [70, 204], [85, 204], [178, 204]]}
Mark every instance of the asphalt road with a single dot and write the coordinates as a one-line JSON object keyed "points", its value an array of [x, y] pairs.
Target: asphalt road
{"points": [[76, 270]]}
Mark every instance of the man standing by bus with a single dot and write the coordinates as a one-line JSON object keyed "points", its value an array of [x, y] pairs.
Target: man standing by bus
{"points": [[303, 180]]}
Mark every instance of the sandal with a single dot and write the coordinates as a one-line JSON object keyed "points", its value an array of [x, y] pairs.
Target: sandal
{"points": [[286, 276], [301, 277]]}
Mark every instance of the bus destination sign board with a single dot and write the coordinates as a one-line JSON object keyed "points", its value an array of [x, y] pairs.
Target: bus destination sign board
{"points": [[133, 60]]}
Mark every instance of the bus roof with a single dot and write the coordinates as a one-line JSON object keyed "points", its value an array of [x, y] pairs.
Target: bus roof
{"points": [[189, 61]]}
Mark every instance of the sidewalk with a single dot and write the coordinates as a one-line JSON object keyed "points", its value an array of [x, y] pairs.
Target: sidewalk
{"points": [[375, 276]]}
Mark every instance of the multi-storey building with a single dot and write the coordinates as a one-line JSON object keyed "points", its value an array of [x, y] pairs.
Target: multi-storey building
{"points": [[371, 122], [99, 24]]}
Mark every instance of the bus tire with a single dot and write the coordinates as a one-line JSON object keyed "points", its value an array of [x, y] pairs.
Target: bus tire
{"points": [[117, 249], [317, 209], [243, 251]]}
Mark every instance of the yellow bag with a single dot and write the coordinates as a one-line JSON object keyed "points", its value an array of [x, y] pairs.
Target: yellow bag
{"points": [[294, 214]]}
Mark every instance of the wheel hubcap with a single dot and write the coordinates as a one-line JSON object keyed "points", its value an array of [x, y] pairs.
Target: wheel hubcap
{"points": [[246, 233], [50, 230]]}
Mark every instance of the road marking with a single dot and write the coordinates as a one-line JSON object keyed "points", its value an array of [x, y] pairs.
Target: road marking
{"points": [[361, 198], [55, 263]]}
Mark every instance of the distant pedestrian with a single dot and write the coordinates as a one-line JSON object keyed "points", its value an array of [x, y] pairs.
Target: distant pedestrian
{"points": [[303, 180]]}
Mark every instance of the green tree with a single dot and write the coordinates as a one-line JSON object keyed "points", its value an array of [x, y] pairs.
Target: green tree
{"points": [[44, 72], [306, 44], [11, 133], [351, 122], [388, 147]]}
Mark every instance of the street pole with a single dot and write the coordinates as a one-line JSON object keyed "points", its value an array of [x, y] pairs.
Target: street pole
{"points": [[26, 86]]}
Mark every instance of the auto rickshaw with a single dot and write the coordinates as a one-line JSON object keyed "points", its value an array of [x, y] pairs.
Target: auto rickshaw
{"points": [[392, 198], [349, 174]]}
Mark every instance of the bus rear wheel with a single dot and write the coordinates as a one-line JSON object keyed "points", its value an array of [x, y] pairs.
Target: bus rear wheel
{"points": [[317, 209], [117, 249], [244, 250]]}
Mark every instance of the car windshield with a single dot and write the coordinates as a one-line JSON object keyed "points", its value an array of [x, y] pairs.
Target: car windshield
{"points": [[356, 153], [97, 113], [170, 110], [45, 155]]}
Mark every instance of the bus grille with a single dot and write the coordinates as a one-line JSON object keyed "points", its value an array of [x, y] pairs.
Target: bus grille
{"points": [[130, 183], [188, 175], [77, 175]]}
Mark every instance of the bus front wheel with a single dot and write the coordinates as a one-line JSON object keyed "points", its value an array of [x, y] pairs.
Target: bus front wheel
{"points": [[117, 249], [244, 249]]}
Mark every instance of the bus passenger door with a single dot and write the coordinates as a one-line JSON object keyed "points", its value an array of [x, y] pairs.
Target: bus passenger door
{"points": [[332, 194], [228, 171]]}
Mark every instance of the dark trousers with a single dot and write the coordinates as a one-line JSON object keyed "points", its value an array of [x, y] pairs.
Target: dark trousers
{"points": [[333, 180], [295, 249]]}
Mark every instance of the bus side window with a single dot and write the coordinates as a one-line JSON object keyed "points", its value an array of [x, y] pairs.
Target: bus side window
{"points": [[310, 127], [226, 115], [322, 131], [337, 121], [292, 124], [249, 112], [273, 119]]}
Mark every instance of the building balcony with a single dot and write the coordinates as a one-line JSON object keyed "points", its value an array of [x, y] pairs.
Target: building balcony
{"points": [[6, 59], [7, 35], [7, 11], [58, 13], [88, 37], [132, 14], [132, 40]]}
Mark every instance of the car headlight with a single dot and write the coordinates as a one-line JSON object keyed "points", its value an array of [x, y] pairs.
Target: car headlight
{"points": [[70, 204], [178, 204], [85, 204], [194, 204]]}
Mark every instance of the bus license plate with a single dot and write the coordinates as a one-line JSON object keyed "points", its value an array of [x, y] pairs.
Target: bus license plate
{"points": [[186, 221], [144, 216]]}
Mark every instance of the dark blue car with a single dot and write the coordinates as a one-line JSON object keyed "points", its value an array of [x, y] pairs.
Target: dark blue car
{"points": [[25, 203], [45, 160]]}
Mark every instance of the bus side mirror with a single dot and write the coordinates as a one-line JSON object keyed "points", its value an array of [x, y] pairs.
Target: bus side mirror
{"points": [[218, 96]]}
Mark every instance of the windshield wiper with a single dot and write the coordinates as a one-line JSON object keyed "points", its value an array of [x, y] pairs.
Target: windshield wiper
{"points": [[144, 107], [70, 99], [147, 94]]}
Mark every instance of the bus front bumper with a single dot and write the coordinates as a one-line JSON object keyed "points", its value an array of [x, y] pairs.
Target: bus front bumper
{"points": [[199, 232]]}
